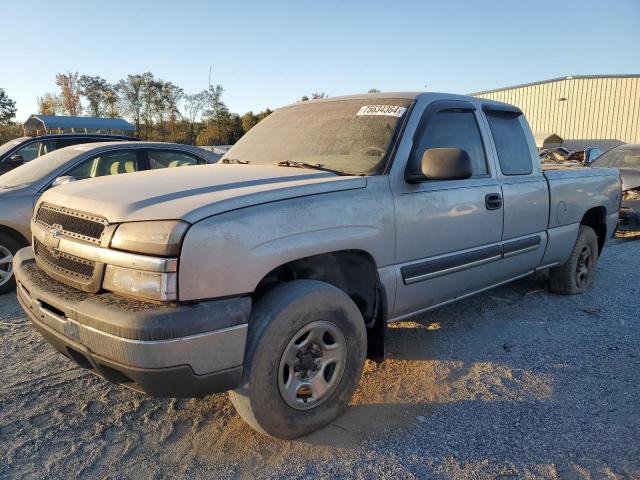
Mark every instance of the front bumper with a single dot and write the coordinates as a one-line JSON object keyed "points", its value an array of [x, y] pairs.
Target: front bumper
{"points": [[175, 350], [629, 215]]}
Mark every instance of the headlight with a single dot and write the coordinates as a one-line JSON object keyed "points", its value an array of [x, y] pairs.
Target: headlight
{"points": [[631, 194], [137, 283], [162, 238]]}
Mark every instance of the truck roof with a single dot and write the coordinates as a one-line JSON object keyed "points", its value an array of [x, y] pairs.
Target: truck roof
{"points": [[406, 95]]}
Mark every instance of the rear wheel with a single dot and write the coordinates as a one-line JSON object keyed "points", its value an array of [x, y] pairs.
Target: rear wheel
{"points": [[578, 273], [305, 353], [8, 248]]}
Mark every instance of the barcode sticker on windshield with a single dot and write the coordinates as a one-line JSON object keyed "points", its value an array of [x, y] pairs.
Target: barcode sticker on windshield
{"points": [[390, 110]]}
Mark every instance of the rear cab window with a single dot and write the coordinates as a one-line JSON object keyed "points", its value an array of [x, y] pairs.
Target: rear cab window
{"points": [[510, 140]]}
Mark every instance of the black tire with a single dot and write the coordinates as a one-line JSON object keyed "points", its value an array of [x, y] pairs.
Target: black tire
{"points": [[577, 275], [8, 244], [275, 321]]}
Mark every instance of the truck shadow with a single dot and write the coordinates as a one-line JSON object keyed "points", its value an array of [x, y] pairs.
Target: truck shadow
{"points": [[453, 355]]}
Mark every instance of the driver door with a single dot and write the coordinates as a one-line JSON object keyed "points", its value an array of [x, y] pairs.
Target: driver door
{"points": [[448, 232]]}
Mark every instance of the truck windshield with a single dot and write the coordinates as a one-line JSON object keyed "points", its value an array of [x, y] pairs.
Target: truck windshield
{"points": [[353, 137], [620, 158]]}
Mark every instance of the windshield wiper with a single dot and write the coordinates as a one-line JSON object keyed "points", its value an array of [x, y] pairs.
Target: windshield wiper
{"points": [[235, 160], [290, 163]]}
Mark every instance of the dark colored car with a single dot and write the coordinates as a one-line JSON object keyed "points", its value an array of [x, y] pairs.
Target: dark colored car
{"points": [[626, 158], [24, 149]]}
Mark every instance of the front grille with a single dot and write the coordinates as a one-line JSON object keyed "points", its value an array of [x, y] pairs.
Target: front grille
{"points": [[65, 264], [72, 223]]}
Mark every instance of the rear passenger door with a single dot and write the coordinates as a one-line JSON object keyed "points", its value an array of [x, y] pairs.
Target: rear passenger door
{"points": [[524, 191], [447, 232]]}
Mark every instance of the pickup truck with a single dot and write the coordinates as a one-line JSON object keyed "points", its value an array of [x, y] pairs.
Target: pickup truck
{"points": [[273, 274]]}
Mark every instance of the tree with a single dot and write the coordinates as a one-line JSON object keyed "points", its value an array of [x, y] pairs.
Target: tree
{"points": [[217, 110], [373, 90], [150, 87], [172, 95], [111, 101], [304, 98], [264, 114], [7, 107], [194, 104], [94, 90], [217, 114], [69, 92], [130, 90], [249, 120], [235, 129], [48, 104]]}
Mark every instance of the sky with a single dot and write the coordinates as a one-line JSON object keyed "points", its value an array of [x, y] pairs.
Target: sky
{"points": [[270, 53]]}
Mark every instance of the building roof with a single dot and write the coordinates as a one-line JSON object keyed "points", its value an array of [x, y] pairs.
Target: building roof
{"points": [[558, 79], [52, 122]]}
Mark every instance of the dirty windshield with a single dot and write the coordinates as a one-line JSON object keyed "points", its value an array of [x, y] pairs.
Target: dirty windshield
{"points": [[347, 136]]}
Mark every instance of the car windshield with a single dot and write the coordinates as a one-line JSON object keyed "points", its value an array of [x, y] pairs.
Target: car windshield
{"points": [[620, 158], [5, 147], [39, 168], [347, 136]]}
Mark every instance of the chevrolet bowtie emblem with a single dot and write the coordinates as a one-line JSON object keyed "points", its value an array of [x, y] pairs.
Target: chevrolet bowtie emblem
{"points": [[52, 238]]}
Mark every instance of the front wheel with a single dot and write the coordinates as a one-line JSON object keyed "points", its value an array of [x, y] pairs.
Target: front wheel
{"points": [[579, 272], [305, 353]]}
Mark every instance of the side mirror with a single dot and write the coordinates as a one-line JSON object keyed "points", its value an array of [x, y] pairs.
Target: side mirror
{"points": [[62, 180], [442, 164], [15, 160]]}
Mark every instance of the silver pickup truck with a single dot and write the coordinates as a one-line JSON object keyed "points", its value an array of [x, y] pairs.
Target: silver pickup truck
{"points": [[274, 273]]}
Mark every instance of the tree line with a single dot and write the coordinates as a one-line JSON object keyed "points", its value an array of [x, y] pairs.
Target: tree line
{"points": [[160, 110]]}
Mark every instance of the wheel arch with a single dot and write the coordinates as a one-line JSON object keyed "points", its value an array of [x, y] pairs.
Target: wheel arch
{"points": [[596, 218], [355, 273]]}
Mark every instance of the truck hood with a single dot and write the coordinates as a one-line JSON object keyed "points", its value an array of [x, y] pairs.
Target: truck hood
{"points": [[193, 193]]}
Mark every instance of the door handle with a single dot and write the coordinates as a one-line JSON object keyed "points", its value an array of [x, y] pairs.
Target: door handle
{"points": [[493, 201]]}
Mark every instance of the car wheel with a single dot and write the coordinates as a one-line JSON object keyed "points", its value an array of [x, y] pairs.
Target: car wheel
{"points": [[305, 352], [8, 248], [579, 272]]}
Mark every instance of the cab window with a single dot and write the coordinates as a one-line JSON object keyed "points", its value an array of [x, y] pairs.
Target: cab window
{"points": [[454, 129], [511, 143]]}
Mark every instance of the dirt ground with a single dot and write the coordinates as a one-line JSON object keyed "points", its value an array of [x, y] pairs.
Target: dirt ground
{"points": [[514, 383]]}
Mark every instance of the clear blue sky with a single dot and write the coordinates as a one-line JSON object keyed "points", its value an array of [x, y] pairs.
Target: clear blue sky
{"points": [[270, 53]]}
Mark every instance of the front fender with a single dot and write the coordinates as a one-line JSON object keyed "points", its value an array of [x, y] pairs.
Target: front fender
{"points": [[229, 254]]}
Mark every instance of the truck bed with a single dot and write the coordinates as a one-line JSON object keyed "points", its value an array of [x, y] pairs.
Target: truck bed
{"points": [[573, 191]]}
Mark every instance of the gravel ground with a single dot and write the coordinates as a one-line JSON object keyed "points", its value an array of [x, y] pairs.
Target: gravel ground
{"points": [[514, 383]]}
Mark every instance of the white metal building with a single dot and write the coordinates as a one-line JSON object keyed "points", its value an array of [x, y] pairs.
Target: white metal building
{"points": [[583, 110]]}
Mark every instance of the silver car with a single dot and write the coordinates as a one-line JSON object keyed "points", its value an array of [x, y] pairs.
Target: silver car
{"points": [[21, 187]]}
